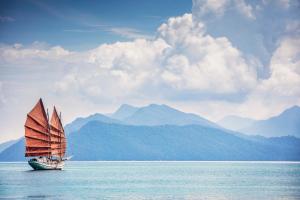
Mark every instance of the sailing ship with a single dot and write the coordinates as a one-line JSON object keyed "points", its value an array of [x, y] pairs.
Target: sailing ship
{"points": [[45, 140]]}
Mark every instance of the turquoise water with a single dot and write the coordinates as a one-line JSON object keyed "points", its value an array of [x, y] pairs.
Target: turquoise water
{"points": [[153, 180]]}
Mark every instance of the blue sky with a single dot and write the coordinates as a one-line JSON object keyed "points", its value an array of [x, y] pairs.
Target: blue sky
{"points": [[81, 25], [213, 58]]}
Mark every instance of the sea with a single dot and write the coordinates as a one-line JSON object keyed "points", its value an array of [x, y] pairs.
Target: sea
{"points": [[135, 180]]}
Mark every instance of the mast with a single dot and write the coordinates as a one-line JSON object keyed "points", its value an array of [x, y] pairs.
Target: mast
{"points": [[37, 136], [49, 139], [57, 135], [61, 149]]}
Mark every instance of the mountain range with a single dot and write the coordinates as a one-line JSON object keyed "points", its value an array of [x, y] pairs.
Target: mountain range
{"points": [[286, 123], [4, 145], [124, 112], [159, 132], [79, 122], [151, 115], [103, 141]]}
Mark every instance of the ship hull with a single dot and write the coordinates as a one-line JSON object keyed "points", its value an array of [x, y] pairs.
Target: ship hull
{"points": [[47, 164]]}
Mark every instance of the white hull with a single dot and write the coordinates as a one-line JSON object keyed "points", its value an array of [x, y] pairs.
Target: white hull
{"points": [[46, 164]]}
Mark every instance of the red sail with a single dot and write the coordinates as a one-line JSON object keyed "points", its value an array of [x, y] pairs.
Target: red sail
{"points": [[37, 137], [57, 135]]}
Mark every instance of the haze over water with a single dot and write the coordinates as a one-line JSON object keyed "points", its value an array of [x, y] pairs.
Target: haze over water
{"points": [[153, 180]]}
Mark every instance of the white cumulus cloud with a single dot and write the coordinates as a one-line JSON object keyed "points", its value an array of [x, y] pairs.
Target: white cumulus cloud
{"points": [[183, 57], [219, 7], [197, 61], [181, 65], [205, 6]]}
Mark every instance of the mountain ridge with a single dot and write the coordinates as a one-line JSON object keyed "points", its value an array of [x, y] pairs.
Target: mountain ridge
{"points": [[285, 123], [124, 111], [155, 114], [81, 121], [235, 123], [107, 141], [171, 121], [150, 115], [7, 144]]}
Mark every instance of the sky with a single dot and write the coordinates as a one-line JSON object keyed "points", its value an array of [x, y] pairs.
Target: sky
{"points": [[212, 58]]}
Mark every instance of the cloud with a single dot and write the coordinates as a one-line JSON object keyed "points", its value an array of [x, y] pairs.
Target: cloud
{"points": [[293, 27], [270, 96], [17, 54], [281, 89], [125, 32], [129, 33], [115, 71], [80, 30], [183, 65], [285, 69], [7, 19], [283, 4], [197, 61], [182, 58], [245, 9], [205, 6], [2, 97], [219, 7]]}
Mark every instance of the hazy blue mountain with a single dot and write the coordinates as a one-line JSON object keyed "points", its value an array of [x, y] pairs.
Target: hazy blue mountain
{"points": [[99, 137], [15, 152], [150, 115], [79, 122], [169, 142], [286, 123], [101, 141], [235, 122], [153, 115], [5, 145], [124, 112]]}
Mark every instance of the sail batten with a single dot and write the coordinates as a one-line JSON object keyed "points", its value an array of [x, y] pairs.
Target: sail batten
{"points": [[57, 135], [37, 152], [37, 132], [37, 138], [41, 137], [36, 148], [37, 121]]}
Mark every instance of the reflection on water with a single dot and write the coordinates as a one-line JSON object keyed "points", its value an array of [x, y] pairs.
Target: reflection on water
{"points": [[153, 180]]}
